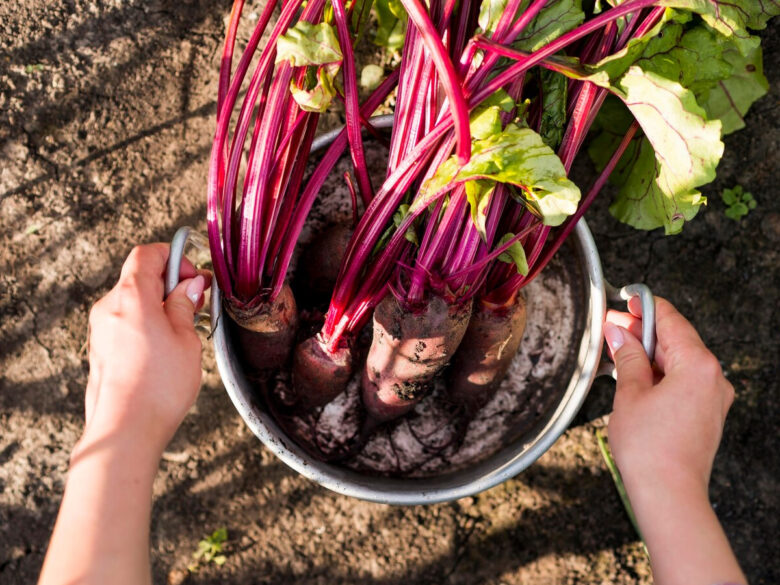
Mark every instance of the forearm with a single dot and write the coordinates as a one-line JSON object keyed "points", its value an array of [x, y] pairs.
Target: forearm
{"points": [[102, 530], [684, 538]]}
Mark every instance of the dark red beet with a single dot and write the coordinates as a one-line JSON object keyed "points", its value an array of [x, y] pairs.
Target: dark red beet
{"points": [[321, 262], [407, 350], [318, 376], [265, 335], [486, 352]]}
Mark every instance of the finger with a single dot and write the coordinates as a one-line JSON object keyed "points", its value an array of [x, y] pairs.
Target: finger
{"points": [[152, 260], [146, 259], [635, 306], [145, 268], [626, 321], [631, 362], [677, 338], [188, 270], [184, 300]]}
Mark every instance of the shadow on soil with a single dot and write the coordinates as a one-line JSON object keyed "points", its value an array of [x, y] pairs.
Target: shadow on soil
{"points": [[474, 549]]}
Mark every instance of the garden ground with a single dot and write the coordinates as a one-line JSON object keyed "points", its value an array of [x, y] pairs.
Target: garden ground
{"points": [[106, 116]]}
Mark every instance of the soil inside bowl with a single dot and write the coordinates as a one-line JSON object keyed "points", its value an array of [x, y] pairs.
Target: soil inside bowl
{"points": [[435, 438]]}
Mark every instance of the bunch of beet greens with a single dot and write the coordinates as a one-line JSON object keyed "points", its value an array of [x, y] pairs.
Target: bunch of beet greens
{"points": [[494, 101]]}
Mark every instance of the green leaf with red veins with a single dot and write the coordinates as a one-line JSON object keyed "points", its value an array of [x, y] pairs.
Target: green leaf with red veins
{"points": [[693, 57], [658, 175], [515, 254], [725, 82], [517, 156], [732, 18], [555, 19], [687, 146], [618, 63], [644, 203], [309, 44], [730, 99]]}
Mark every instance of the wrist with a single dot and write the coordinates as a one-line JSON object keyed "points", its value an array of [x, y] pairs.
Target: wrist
{"points": [[665, 490], [683, 536], [124, 413], [661, 477], [111, 446]]}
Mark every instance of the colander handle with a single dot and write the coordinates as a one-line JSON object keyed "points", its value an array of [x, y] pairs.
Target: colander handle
{"points": [[183, 236], [606, 367]]}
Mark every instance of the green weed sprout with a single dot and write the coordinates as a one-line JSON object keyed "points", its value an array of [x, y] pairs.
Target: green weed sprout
{"points": [[738, 202], [210, 550]]}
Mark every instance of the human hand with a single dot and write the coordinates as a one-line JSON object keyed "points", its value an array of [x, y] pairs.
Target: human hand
{"points": [[144, 354], [664, 430], [667, 420]]}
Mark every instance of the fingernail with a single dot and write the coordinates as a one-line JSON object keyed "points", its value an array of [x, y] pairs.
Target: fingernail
{"points": [[614, 336], [195, 289]]}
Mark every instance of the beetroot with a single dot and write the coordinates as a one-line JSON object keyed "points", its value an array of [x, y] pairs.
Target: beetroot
{"points": [[320, 266], [266, 333], [318, 374], [408, 349], [486, 352]]}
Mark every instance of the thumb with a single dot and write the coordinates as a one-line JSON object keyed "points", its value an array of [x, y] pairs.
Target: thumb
{"points": [[631, 363], [181, 304]]}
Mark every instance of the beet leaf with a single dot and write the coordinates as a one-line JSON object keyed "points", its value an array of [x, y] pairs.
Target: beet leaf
{"points": [[517, 156]]}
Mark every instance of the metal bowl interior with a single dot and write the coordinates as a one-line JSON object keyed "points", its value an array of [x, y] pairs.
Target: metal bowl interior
{"points": [[489, 472]]}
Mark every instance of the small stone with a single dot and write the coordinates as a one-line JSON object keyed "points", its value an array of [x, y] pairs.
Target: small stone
{"points": [[177, 576], [17, 553]]}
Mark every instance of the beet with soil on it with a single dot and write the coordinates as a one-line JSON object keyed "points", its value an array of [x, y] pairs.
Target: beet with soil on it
{"points": [[408, 349], [318, 374], [265, 334], [485, 353]]}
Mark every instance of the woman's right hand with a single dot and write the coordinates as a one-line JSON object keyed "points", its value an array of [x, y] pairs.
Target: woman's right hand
{"points": [[664, 431], [667, 418]]}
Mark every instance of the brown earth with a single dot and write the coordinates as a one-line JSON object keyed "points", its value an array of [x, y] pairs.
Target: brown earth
{"points": [[106, 115]]}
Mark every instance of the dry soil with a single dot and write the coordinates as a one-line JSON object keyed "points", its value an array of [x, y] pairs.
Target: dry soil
{"points": [[106, 116]]}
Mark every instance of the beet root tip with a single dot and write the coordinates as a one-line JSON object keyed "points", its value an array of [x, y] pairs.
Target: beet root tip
{"points": [[318, 374]]}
